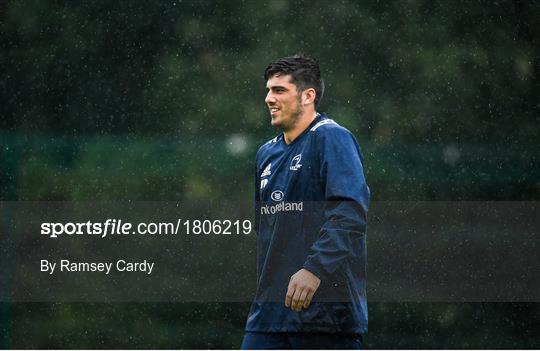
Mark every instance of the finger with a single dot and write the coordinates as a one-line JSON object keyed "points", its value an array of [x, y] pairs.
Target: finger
{"points": [[296, 300], [302, 299], [289, 295], [308, 299]]}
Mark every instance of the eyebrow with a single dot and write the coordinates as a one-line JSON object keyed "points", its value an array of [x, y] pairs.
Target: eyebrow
{"points": [[274, 87]]}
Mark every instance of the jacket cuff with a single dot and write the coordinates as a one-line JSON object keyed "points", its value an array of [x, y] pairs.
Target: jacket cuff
{"points": [[315, 268]]}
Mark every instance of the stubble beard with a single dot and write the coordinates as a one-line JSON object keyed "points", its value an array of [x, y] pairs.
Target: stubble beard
{"points": [[295, 116]]}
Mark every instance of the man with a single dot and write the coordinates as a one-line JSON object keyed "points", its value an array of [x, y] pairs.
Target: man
{"points": [[311, 202]]}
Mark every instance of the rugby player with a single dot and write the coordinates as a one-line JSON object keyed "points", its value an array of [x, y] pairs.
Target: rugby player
{"points": [[311, 203]]}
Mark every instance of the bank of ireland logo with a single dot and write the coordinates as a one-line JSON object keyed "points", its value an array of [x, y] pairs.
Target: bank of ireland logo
{"points": [[295, 163], [277, 195]]}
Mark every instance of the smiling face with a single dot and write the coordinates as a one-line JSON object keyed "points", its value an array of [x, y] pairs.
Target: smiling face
{"points": [[284, 102]]}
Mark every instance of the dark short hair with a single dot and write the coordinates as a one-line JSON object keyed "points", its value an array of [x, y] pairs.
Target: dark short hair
{"points": [[305, 73]]}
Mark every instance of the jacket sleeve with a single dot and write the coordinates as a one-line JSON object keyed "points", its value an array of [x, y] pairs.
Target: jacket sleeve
{"points": [[257, 197], [346, 201]]}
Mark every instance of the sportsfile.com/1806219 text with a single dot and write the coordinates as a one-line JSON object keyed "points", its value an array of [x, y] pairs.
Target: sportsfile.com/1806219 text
{"points": [[120, 227]]}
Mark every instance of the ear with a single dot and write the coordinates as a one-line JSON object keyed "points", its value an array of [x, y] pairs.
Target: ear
{"points": [[308, 96]]}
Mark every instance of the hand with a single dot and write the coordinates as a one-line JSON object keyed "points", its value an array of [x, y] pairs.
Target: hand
{"points": [[302, 287]]}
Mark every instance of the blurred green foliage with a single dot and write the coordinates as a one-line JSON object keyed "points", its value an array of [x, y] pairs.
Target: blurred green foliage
{"points": [[138, 100], [203, 326], [413, 71], [108, 168]]}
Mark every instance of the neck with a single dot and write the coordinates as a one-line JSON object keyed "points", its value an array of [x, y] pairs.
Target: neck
{"points": [[303, 122]]}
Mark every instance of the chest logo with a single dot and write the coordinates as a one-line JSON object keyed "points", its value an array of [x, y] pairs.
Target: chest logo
{"points": [[266, 171], [263, 183], [295, 163], [277, 195]]}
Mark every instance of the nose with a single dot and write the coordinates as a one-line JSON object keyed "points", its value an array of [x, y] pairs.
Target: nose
{"points": [[270, 99]]}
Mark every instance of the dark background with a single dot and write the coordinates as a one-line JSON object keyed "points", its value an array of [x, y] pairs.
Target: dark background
{"points": [[139, 100]]}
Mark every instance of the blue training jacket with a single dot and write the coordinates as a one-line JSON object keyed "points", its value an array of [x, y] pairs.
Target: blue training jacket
{"points": [[311, 203]]}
